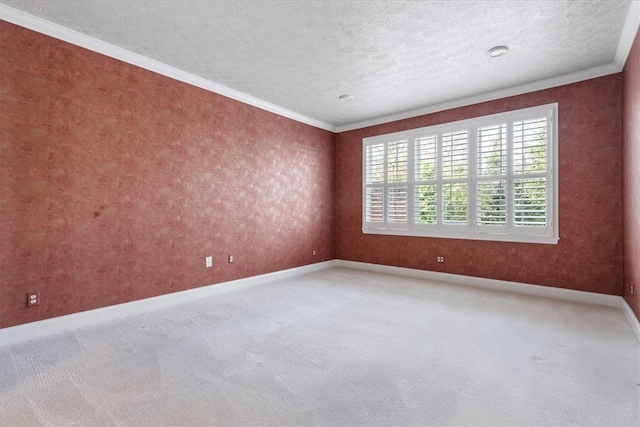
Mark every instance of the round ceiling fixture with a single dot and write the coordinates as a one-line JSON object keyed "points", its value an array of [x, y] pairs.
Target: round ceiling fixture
{"points": [[346, 97], [496, 51]]}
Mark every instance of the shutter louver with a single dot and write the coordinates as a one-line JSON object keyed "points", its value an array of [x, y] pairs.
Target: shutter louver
{"points": [[492, 203], [375, 164], [426, 158], [492, 150], [529, 202], [530, 160], [454, 203], [374, 173], [397, 205], [454, 168], [426, 208], [397, 161], [530, 146], [454, 155], [426, 196], [375, 204], [397, 153]]}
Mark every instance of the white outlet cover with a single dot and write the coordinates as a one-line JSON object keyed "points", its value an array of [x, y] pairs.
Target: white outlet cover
{"points": [[209, 261]]}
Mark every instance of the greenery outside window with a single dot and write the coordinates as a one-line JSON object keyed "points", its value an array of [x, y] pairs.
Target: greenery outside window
{"points": [[487, 178]]}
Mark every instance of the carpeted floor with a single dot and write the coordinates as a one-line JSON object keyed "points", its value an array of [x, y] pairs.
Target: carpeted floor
{"points": [[335, 347]]}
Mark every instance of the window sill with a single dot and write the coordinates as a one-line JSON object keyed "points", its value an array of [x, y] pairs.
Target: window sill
{"points": [[547, 240]]}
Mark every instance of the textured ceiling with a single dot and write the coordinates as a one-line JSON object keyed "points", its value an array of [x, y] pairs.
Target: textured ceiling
{"points": [[391, 56]]}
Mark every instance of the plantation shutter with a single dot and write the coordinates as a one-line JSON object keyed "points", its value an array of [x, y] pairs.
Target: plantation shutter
{"points": [[488, 178], [530, 173], [375, 178], [455, 186], [425, 208], [386, 182], [491, 186], [397, 182]]}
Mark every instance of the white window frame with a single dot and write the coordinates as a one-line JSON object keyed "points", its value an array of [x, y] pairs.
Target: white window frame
{"points": [[548, 234]]}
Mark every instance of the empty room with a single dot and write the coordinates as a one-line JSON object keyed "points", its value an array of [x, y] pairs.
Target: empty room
{"points": [[320, 213]]}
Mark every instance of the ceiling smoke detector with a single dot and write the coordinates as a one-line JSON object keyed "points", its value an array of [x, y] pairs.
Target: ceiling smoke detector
{"points": [[346, 98], [496, 51]]}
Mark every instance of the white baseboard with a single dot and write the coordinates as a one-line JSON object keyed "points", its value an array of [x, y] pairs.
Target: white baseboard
{"points": [[502, 285], [631, 318], [42, 328], [47, 327], [498, 285]]}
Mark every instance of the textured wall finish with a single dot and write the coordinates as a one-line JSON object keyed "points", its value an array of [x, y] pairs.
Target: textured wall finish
{"points": [[631, 175], [589, 254], [117, 182]]}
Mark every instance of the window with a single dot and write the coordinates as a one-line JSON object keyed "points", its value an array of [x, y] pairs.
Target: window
{"points": [[488, 178]]}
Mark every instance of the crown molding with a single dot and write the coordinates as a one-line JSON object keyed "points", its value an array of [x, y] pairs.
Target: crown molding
{"points": [[59, 32], [627, 37], [628, 34], [565, 79]]}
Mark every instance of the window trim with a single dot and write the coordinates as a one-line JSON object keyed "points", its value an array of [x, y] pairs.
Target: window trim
{"points": [[475, 231]]}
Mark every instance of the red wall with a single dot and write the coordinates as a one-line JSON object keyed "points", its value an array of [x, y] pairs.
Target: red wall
{"points": [[589, 254], [117, 182], [631, 175]]}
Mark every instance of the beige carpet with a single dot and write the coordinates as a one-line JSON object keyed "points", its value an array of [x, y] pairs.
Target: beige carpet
{"points": [[335, 347]]}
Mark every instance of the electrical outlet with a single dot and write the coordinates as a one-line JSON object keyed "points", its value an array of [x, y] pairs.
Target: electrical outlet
{"points": [[314, 253], [208, 262], [631, 289], [230, 259], [33, 299], [440, 259]]}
